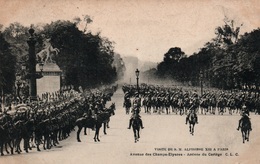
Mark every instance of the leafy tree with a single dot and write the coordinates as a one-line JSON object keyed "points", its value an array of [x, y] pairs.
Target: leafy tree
{"points": [[225, 62], [85, 58], [227, 34], [7, 66], [169, 65]]}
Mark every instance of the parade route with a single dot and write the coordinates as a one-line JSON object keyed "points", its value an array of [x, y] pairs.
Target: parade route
{"points": [[165, 139]]}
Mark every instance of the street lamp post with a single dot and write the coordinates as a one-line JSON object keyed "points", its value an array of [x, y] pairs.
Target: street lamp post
{"points": [[62, 80], [137, 80], [201, 83]]}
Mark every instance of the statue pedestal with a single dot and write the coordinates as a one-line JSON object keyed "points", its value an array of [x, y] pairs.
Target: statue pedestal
{"points": [[51, 80]]}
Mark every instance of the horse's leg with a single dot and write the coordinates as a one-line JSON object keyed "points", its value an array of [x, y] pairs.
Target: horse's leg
{"points": [[49, 140], [56, 137], [98, 133], [44, 142], [11, 145], [138, 133], [60, 134], [27, 144], [193, 129], [85, 130], [135, 135], [6, 148], [17, 144], [78, 133], [243, 136], [104, 128], [108, 124], [95, 136], [2, 147], [248, 132]]}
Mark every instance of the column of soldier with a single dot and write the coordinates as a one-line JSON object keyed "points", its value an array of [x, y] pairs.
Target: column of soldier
{"points": [[176, 100], [42, 124]]}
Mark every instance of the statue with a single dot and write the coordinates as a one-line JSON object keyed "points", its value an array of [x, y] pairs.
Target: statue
{"points": [[46, 55]]}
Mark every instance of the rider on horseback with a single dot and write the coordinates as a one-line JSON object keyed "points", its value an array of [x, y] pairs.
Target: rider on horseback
{"points": [[244, 118], [135, 116], [192, 112]]}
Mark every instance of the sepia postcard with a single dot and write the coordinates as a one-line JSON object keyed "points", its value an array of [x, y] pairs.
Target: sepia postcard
{"points": [[159, 49]]}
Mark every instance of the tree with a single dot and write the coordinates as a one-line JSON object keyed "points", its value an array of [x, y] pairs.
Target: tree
{"points": [[85, 58], [227, 34], [7, 66], [169, 66], [173, 55]]}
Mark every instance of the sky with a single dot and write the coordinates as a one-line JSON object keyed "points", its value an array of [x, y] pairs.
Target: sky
{"points": [[146, 29]]}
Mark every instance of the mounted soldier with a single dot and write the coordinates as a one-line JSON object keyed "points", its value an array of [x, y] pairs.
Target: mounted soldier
{"points": [[192, 114], [244, 119], [245, 125], [135, 116], [137, 101]]}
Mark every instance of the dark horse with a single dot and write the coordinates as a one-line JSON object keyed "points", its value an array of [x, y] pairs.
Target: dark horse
{"points": [[245, 125], [104, 118], [86, 122], [136, 125], [192, 119], [89, 122]]}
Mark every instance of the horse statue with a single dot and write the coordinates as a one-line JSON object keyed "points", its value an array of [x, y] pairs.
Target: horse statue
{"points": [[192, 119], [46, 55], [245, 125]]}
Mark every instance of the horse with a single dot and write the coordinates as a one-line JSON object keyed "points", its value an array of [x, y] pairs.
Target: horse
{"points": [[42, 129], [4, 138], [221, 104], [204, 105], [86, 122], [167, 105], [103, 118], [136, 125], [26, 131], [95, 123], [192, 119], [245, 126]]}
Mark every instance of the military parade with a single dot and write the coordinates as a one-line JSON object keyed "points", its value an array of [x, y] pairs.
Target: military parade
{"points": [[129, 82], [43, 124], [178, 100]]}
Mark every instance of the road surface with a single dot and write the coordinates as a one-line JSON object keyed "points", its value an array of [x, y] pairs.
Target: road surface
{"points": [[165, 139]]}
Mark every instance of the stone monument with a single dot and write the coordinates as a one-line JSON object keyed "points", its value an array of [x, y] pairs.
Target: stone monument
{"points": [[51, 80]]}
